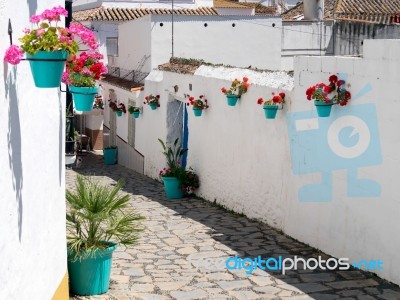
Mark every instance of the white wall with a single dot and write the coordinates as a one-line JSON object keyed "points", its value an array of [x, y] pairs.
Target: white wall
{"points": [[305, 38], [32, 181], [250, 164], [358, 227], [134, 43], [103, 31], [253, 41]]}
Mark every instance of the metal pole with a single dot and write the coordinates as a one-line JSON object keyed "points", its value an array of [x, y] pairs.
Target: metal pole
{"points": [[172, 28], [69, 145]]}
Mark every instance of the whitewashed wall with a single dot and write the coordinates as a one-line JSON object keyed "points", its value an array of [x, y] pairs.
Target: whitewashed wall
{"points": [[358, 227], [103, 31], [32, 181], [239, 155]]}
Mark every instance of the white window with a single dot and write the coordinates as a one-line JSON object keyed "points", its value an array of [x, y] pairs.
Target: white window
{"points": [[112, 46]]}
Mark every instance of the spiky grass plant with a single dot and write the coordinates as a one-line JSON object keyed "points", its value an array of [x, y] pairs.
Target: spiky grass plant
{"points": [[99, 214]]}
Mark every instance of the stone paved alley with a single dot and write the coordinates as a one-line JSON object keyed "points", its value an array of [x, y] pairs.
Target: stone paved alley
{"points": [[183, 248]]}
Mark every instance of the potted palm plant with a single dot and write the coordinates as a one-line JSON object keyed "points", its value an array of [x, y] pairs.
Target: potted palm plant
{"points": [[99, 218]]}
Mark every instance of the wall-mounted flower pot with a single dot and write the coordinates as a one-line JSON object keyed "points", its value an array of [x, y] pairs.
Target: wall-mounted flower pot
{"points": [[136, 114], [90, 274], [83, 97], [197, 112], [232, 99], [270, 111], [323, 108], [47, 67], [153, 106], [119, 113], [110, 156], [172, 188]]}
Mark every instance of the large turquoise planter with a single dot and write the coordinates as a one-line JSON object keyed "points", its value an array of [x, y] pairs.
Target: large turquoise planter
{"points": [[153, 106], [197, 112], [47, 67], [83, 97], [90, 275], [171, 187], [136, 114], [323, 108], [110, 156], [270, 111], [232, 99]]}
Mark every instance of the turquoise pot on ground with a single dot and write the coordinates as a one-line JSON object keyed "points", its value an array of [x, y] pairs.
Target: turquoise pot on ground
{"points": [[83, 97], [197, 112], [47, 67], [90, 275], [119, 113], [153, 106], [136, 114], [110, 156], [270, 111], [232, 99], [171, 187], [323, 108]]}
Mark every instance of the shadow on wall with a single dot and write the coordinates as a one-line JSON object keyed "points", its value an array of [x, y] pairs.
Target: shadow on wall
{"points": [[32, 7], [14, 140]]}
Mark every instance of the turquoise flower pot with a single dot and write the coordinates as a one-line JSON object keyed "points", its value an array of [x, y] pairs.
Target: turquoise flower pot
{"points": [[270, 111], [171, 187], [110, 156], [153, 106], [90, 275], [197, 112], [232, 99], [323, 108], [83, 97], [119, 113], [47, 67], [136, 114]]}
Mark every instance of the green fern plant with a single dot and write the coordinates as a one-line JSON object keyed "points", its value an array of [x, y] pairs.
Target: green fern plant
{"points": [[173, 154], [99, 214]]}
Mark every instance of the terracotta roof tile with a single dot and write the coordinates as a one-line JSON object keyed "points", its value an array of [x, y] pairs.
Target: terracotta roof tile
{"points": [[375, 11], [128, 14], [261, 9], [229, 4]]}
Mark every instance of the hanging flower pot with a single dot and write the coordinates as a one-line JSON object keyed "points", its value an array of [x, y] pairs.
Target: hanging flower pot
{"points": [[136, 114], [119, 113], [323, 108], [232, 99], [197, 112], [198, 104], [47, 67], [270, 111], [153, 106], [83, 97]]}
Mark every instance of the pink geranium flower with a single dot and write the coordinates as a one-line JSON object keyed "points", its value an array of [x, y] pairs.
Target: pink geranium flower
{"points": [[13, 55]]}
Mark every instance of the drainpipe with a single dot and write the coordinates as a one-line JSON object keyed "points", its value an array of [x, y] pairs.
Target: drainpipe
{"points": [[69, 145]]}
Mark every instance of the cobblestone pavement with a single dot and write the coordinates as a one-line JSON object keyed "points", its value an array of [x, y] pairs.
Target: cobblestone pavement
{"points": [[182, 252]]}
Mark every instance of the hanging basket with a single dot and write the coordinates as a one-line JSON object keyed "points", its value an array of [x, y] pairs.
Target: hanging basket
{"points": [[323, 108], [232, 99], [136, 114], [83, 97], [153, 106], [197, 112], [119, 113], [47, 67], [270, 111]]}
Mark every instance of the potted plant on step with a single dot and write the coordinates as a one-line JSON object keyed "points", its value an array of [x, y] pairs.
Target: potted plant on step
{"points": [[153, 101], [237, 89], [99, 218], [271, 106], [81, 75], [110, 155], [326, 95], [134, 111], [198, 105]]}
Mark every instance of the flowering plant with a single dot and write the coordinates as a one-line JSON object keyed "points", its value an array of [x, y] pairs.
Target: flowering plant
{"points": [[47, 36], [98, 102], [132, 109], [275, 100], [152, 100], [116, 107], [237, 88], [200, 103], [321, 92], [84, 70], [189, 180]]}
